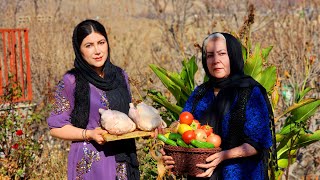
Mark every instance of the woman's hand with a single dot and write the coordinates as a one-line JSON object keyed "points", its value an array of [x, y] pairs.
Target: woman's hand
{"points": [[167, 160], [96, 135], [158, 130], [214, 160]]}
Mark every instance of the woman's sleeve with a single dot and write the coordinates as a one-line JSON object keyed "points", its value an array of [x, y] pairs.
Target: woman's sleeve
{"points": [[189, 102], [257, 126], [63, 103]]}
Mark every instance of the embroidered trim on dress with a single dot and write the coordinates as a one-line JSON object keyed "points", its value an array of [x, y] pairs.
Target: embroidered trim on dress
{"points": [[61, 103], [85, 164], [121, 169], [104, 100]]}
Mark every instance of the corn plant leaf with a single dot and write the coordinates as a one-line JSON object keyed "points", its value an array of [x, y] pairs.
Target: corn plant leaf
{"points": [[307, 139], [160, 99], [302, 141], [265, 52], [285, 141], [268, 78], [288, 129], [253, 65], [190, 68], [283, 163], [161, 73], [185, 91], [302, 93], [295, 106], [279, 137], [302, 113], [244, 53], [167, 82]]}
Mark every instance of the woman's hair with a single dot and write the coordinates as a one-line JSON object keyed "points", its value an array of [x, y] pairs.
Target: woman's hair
{"points": [[212, 37], [234, 53], [86, 27]]}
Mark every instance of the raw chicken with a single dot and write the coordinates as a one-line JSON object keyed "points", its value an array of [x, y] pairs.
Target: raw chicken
{"points": [[116, 122], [146, 117]]}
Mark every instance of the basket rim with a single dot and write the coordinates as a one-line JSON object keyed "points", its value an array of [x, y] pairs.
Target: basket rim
{"points": [[191, 150]]}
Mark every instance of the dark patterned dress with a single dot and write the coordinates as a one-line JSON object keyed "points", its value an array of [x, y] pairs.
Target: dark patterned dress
{"points": [[256, 128]]}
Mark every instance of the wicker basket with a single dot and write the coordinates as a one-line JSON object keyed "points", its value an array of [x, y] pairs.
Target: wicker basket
{"points": [[186, 159]]}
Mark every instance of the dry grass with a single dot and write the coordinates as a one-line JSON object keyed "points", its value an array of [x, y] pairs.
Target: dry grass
{"points": [[161, 32]]}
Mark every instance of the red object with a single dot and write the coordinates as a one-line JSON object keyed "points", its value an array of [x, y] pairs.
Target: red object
{"points": [[15, 62], [188, 136], [208, 129], [15, 146], [186, 118], [19, 132], [214, 139]]}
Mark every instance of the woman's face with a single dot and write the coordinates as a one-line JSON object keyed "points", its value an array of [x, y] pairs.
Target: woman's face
{"points": [[218, 61], [94, 49]]}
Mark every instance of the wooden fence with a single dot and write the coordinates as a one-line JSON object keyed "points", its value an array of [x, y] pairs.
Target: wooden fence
{"points": [[15, 63]]}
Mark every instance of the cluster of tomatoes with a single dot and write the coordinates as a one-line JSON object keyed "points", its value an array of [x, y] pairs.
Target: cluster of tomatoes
{"points": [[191, 129]]}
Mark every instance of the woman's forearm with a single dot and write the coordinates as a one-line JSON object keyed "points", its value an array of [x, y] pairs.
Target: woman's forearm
{"points": [[69, 132], [244, 150]]}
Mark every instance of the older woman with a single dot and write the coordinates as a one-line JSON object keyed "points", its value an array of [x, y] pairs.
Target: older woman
{"points": [[237, 107], [93, 83]]}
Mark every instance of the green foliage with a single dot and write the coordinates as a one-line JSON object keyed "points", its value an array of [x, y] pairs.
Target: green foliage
{"points": [[295, 134], [179, 84], [254, 67], [19, 147], [148, 166], [292, 136]]}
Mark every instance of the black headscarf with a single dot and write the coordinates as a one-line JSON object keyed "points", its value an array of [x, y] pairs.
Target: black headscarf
{"points": [[230, 88], [115, 86]]}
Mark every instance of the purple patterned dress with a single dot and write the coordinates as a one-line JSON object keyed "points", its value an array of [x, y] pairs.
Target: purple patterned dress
{"points": [[86, 160]]}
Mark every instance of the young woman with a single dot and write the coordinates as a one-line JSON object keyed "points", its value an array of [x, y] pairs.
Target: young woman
{"points": [[93, 83]]}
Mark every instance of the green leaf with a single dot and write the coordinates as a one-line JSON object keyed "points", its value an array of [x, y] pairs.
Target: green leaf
{"points": [[268, 78], [288, 129], [279, 137], [253, 65], [295, 106], [302, 93], [288, 142], [175, 78], [161, 73], [307, 139], [302, 141], [244, 53], [160, 99], [303, 113], [190, 67], [283, 163], [265, 52], [167, 82]]}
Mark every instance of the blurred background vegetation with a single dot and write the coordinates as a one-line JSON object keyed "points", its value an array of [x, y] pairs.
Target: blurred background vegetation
{"points": [[162, 32]]}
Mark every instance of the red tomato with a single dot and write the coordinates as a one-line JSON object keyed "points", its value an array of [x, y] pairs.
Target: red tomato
{"points": [[214, 139], [195, 124], [188, 136], [200, 135], [186, 118], [208, 129]]}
